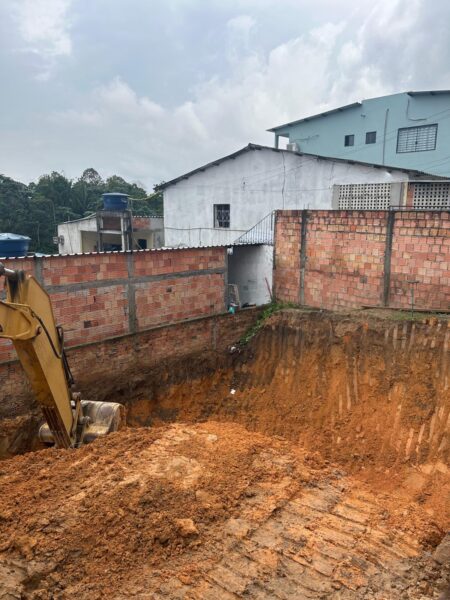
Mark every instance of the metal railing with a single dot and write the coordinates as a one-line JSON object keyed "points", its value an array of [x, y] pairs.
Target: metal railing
{"points": [[261, 233]]}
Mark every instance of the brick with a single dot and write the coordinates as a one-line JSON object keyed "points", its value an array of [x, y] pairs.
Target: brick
{"points": [[345, 245]]}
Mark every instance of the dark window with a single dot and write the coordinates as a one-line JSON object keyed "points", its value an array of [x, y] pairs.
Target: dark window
{"points": [[417, 139], [349, 140], [221, 215], [142, 243], [371, 137]]}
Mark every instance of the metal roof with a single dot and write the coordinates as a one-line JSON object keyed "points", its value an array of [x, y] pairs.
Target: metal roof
{"points": [[93, 215], [354, 104], [430, 92], [250, 147], [33, 255], [322, 114]]}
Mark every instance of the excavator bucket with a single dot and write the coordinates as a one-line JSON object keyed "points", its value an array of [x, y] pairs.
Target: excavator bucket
{"points": [[96, 419], [104, 417]]}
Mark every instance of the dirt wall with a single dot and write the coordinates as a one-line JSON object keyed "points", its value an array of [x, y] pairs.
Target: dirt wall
{"points": [[362, 390], [115, 369]]}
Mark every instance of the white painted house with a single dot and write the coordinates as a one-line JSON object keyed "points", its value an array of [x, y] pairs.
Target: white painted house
{"points": [[218, 203], [81, 235]]}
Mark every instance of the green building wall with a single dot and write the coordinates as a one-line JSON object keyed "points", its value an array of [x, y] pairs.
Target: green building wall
{"points": [[325, 134]]}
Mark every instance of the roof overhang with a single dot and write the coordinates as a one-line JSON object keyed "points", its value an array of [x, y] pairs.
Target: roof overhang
{"points": [[429, 93], [323, 114], [250, 147]]}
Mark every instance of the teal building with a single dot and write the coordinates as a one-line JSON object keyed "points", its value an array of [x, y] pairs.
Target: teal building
{"points": [[410, 130]]}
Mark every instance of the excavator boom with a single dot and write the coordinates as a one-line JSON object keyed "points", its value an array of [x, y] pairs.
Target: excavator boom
{"points": [[26, 318]]}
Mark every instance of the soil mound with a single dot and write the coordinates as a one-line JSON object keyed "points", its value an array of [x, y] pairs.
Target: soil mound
{"points": [[205, 511]]}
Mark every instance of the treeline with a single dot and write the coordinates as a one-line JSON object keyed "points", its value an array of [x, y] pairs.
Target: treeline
{"points": [[36, 209]]}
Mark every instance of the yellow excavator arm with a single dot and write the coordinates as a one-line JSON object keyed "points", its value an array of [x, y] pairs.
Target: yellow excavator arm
{"points": [[26, 318]]}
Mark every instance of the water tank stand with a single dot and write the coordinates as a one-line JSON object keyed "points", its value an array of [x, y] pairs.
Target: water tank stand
{"points": [[115, 223]]}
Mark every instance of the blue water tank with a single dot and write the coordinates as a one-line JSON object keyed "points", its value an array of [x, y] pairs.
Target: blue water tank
{"points": [[12, 244], [115, 201]]}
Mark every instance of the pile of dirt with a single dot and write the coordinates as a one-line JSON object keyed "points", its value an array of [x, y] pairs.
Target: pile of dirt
{"points": [[206, 511]]}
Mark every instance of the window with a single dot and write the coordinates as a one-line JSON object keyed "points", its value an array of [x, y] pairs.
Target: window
{"points": [[221, 215], [417, 139], [371, 137], [349, 140]]}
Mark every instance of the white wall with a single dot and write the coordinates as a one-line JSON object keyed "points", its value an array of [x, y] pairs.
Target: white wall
{"points": [[72, 234], [254, 184], [81, 236], [248, 268]]}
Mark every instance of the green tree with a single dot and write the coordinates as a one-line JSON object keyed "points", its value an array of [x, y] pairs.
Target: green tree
{"points": [[118, 184], [35, 210], [87, 192], [25, 212]]}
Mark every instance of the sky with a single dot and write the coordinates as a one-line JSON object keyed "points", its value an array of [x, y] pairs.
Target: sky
{"points": [[149, 90]]}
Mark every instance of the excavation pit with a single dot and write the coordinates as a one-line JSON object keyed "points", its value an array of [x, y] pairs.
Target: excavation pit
{"points": [[310, 463]]}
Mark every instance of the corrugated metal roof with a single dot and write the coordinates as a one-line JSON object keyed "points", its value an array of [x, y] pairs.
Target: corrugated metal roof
{"points": [[249, 147], [163, 249]]}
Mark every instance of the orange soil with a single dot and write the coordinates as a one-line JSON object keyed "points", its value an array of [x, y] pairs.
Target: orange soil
{"points": [[205, 511], [338, 487]]}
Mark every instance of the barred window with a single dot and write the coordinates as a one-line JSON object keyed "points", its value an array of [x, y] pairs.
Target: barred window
{"points": [[371, 137], [221, 215], [417, 139]]}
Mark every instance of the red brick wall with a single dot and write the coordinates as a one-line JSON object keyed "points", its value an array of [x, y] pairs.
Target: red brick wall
{"points": [[103, 368], [421, 252], [162, 302], [286, 281], [344, 264], [178, 301], [345, 258], [91, 294], [142, 223]]}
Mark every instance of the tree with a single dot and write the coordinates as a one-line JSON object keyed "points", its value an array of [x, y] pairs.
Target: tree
{"points": [[91, 177], [25, 212], [54, 187], [35, 210], [87, 192], [118, 184]]}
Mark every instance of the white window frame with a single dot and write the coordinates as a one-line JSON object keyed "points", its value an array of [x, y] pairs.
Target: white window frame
{"points": [[417, 138]]}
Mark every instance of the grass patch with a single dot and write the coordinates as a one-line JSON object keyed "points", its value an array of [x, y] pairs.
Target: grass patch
{"points": [[271, 309]]}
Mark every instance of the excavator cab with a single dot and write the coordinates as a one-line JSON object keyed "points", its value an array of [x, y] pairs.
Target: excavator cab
{"points": [[26, 318]]}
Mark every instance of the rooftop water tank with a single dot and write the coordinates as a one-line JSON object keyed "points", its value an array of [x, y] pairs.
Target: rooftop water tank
{"points": [[12, 244], [115, 201]]}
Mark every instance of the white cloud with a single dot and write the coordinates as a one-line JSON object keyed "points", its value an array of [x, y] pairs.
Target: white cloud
{"points": [[143, 140], [44, 27], [241, 24], [118, 130]]}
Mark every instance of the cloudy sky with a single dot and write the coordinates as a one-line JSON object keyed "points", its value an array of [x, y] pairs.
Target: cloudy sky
{"points": [[150, 89]]}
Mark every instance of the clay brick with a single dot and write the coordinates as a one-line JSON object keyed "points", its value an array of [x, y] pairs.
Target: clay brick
{"points": [[346, 245]]}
